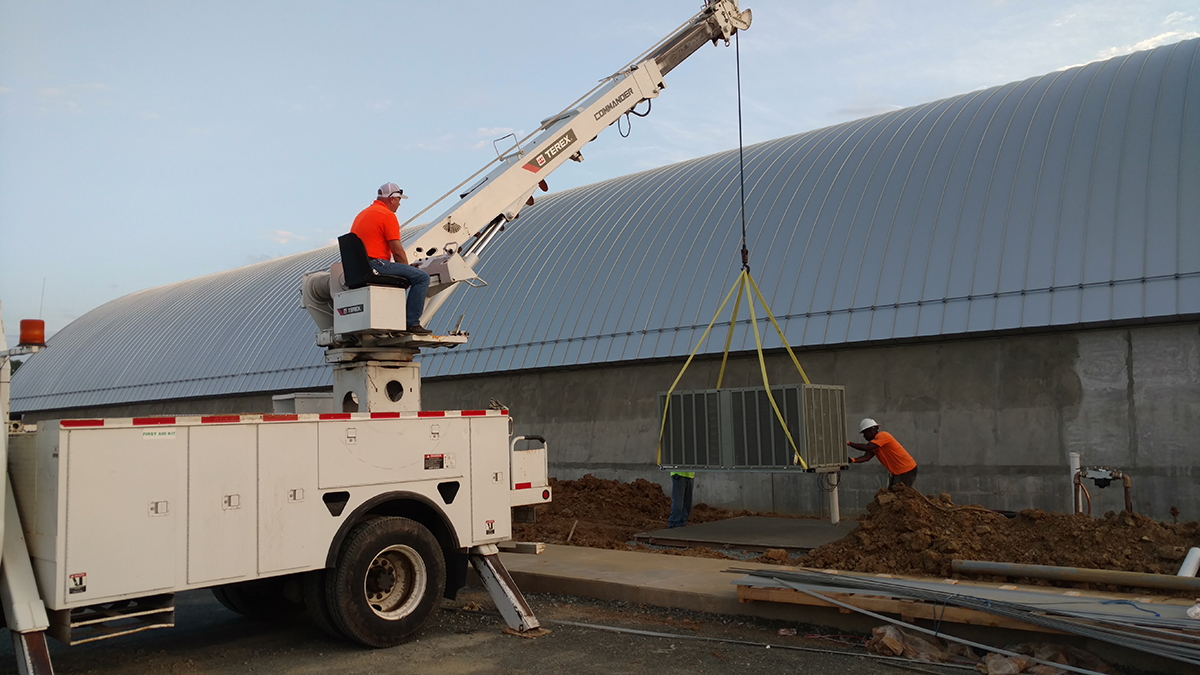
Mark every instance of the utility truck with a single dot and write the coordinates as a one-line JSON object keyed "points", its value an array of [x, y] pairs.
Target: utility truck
{"points": [[364, 515]]}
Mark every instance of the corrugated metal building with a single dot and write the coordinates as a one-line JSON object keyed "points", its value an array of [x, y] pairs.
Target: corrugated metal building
{"points": [[1067, 203]]}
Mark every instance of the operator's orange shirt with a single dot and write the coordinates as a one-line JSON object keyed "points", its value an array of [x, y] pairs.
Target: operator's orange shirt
{"points": [[892, 455], [376, 225]]}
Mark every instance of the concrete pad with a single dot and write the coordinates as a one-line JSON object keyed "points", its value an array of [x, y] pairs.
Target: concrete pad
{"points": [[753, 533], [698, 584]]}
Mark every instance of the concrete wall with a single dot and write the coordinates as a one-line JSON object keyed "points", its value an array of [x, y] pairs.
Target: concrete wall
{"points": [[223, 405], [989, 421]]}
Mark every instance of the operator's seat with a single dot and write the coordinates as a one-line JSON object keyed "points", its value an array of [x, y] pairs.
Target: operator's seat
{"points": [[356, 268]]}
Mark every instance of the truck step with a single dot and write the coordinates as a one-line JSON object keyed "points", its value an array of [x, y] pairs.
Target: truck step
{"points": [[107, 620]]}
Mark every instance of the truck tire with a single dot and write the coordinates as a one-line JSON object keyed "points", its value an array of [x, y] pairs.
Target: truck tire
{"points": [[316, 603], [261, 599], [388, 581]]}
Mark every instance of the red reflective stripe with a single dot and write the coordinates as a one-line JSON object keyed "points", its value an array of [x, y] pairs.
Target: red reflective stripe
{"points": [[147, 421], [524, 486], [473, 413], [432, 413], [280, 418], [335, 416], [385, 416], [81, 423], [220, 419]]}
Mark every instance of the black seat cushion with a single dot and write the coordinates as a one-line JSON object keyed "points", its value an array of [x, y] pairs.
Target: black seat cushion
{"points": [[357, 268]]}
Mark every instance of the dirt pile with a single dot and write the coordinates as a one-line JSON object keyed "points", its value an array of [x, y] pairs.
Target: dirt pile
{"points": [[905, 532], [602, 513]]}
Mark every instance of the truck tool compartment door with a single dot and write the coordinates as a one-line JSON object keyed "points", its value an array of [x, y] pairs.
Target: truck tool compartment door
{"points": [[222, 502], [294, 529], [123, 506]]}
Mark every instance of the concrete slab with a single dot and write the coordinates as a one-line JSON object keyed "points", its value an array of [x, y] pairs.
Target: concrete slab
{"points": [[699, 584], [753, 533]]}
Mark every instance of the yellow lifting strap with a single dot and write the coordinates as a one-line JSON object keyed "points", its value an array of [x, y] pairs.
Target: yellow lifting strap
{"points": [[743, 284]]}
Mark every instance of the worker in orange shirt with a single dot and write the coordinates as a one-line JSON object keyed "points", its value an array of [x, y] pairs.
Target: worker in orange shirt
{"points": [[379, 230], [900, 465]]}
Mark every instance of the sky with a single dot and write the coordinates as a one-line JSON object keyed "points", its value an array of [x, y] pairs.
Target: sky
{"points": [[146, 143]]}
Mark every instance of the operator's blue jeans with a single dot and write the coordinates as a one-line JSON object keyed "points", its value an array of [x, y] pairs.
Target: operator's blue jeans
{"points": [[418, 286], [681, 501]]}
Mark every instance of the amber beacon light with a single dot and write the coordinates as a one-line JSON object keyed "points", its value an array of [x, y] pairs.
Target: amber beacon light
{"points": [[33, 333]]}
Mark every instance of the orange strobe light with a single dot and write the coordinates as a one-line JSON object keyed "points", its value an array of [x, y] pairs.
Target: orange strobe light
{"points": [[33, 332]]}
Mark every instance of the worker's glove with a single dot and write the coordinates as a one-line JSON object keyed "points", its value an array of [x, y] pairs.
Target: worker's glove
{"points": [[853, 461]]}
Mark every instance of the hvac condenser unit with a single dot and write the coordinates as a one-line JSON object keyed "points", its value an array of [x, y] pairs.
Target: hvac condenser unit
{"points": [[737, 429]]}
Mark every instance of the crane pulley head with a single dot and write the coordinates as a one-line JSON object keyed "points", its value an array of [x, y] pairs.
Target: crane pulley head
{"points": [[728, 17]]}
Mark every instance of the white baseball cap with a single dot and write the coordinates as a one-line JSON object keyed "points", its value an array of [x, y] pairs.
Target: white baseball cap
{"points": [[391, 190], [867, 423]]}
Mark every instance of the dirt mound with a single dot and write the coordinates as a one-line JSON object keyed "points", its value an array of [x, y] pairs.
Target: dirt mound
{"points": [[602, 513], [905, 532]]}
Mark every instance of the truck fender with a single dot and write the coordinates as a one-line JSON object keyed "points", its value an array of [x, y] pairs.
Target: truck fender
{"points": [[421, 509]]}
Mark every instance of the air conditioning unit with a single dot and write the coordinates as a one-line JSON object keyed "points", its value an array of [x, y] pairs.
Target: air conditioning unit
{"points": [[737, 429]]}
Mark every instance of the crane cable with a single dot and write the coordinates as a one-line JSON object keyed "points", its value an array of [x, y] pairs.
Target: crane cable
{"points": [[742, 284]]}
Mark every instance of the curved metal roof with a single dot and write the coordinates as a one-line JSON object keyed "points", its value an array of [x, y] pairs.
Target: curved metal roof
{"points": [[1059, 200]]}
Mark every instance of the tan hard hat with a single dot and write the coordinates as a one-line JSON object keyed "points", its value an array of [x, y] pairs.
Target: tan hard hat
{"points": [[867, 423]]}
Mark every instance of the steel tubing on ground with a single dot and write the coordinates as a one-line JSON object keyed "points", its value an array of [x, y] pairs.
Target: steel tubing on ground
{"points": [[1138, 579]]}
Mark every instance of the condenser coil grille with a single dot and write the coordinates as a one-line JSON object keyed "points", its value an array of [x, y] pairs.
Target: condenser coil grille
{"points": [[736, 429]]}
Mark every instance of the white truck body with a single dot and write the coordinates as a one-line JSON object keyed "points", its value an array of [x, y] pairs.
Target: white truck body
{"points": [[122, 508]]}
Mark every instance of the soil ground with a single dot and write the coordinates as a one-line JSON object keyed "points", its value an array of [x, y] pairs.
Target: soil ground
{"points": [[903, 532]]}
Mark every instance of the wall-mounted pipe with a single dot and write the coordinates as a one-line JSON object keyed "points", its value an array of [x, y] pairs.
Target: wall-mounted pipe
{"points": [[1077, 485], [1138, 579], [1073, 461]]}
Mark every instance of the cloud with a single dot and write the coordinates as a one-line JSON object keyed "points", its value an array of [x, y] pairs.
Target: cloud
{"points": [[493, 132], [1066, 19], [146, 114], [6, 90], [443, 143], [53, 91], [381, 105], [1149, 43], [285, 237], [252, 258], [1175, 18]]}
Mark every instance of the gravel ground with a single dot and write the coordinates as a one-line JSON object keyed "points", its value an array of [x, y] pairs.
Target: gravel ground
{"points": [[210, 639]]}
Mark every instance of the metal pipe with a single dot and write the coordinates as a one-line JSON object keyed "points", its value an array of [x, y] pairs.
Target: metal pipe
{"points": [[1138, 579], [1073, 462], [1191, 564], [835, 513], [1128, 492]]}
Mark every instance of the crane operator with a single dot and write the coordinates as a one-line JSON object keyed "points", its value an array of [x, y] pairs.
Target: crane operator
{"points": [[379, 231], [900, 465]]}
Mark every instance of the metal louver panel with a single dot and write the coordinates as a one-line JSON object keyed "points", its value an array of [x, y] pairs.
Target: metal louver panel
{"points": [[732, 429]]}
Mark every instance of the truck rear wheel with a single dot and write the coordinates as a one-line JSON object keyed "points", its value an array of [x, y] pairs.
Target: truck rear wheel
{"points": [[388, 581]]}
